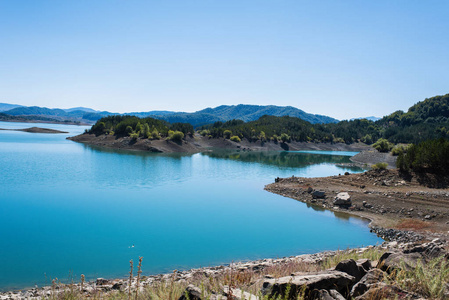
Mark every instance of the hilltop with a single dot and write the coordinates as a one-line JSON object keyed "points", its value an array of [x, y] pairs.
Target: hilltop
{"points": [[202, 117]]}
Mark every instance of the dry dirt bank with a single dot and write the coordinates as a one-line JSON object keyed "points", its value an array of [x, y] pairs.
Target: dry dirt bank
{"points": [[199, 143], [384, 197]]}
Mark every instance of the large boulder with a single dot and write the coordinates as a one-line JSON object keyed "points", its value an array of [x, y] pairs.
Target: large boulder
{"points": [[373, 276], [306, 283], [389, 261], [326, 295], [429, 250], [342, 199], [351, 267]]}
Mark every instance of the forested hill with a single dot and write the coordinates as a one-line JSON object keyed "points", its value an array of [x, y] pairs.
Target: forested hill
{"points": [[425, 120], [206, 116], [431, 110], [242, 112], [253, 112], [428, 119]]}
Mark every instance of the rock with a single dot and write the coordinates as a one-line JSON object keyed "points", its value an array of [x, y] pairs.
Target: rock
{"points": [[373, 276], [102, 281], [326, 280], [428, 250], [238, 294], [191, 293], [309, 189], [366, 264], [349, 266], [389, 262], [318, 194], [342, 199], [325, 295], [367, 205], [380, 291]]}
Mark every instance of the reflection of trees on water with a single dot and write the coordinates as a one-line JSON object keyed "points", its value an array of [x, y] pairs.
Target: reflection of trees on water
{"points": [[284, 159]]}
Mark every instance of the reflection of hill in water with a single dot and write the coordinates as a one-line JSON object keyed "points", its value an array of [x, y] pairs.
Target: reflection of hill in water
{"points": [[283, 159]]}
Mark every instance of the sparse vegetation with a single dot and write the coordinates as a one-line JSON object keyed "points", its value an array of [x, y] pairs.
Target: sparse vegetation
{"points": [[235, 138], [379, 166], [382, 145], [431, 156]]}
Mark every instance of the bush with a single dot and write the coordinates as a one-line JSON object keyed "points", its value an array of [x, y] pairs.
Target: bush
{"points": [[382, 145], [176, 136], [204, 132], [379, 166], [227, 134], [235, 138], [134, 136], [285, 138], [398, 149], [367, 139]]}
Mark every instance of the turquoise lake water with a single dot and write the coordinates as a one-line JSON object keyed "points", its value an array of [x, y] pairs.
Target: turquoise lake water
{"points": [[68, 209]]}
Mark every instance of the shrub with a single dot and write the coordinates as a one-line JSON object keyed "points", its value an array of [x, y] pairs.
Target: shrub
{"points": [[398, 149], [155, 135], [204, 132], [379, 166], [129, 130], [367, 139], [285, 138], [227, 134], [176, 136], [134, 136], [235, 138], [382, 145]]}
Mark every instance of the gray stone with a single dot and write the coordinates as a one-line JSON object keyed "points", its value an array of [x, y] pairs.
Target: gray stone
{"points": [[389, 262], [238, 294], [349, 266], [325, 280], [342, 199], [372, 277], [325, 295], [318, 194], [191, 293]]}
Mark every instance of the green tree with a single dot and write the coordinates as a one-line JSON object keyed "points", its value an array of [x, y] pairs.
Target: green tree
{"points": [[146, 131], [285, 138], [227, 134], [176, 136], [382, 145], [235, 138]]}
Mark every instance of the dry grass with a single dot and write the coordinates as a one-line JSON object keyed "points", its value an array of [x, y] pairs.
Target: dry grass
{"points": [[412, 224]]}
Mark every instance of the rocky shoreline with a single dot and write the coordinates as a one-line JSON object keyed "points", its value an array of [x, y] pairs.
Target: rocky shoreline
{"points": [[349, 279]]}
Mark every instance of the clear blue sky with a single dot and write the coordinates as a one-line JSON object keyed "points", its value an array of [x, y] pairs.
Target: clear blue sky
{"points": [[339, 58]]}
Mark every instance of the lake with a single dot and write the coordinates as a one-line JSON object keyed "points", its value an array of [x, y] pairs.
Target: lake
{"points": [[69, 209]]}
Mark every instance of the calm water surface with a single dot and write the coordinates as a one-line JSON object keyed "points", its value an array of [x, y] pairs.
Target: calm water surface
{"points": [[68, 209]]}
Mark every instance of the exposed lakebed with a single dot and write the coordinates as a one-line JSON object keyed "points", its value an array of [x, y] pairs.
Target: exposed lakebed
{"points": [[70, 209]]}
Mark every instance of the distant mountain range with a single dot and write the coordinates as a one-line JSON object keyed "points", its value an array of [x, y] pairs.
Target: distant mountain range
{"points": [[374, 119], [206, 116]]}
